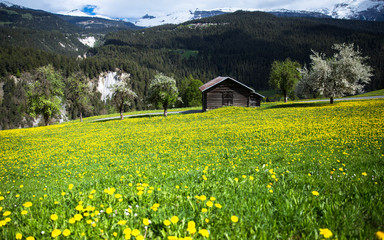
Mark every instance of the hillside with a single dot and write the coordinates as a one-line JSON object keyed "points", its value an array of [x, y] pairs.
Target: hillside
{"points": [[283, 171], [242, 45]]}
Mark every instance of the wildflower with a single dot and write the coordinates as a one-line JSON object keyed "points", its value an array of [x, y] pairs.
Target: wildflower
{"points": [[122, 222], [6, 213], [90, 196], [204, 210], [203, 197], [55, 233], [70, 186], [191, 227], [380, 235], [204, 232], [24, 212], [72, 220], [115, 234], [127, 231], [54, 217], [118, 196], [174, 219], [146, 221], [140, 237], [326, 232], [135, 232], [172, 238], [236, 179], [315, 193], [19, 236], [206, 220], [21, 186], [30, 238], [109, 210], [234, 219], [218, 205], [63, 194], [364, 174], [66, 232], [78, 217], [209, 204], [167, 222]]}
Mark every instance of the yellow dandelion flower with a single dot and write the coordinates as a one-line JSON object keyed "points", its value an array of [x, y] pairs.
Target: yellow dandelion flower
{"points": [[315, 193], [6, 213], [135, 232], [234, 219], [140, 237], [21, 186], [72, 220], [364, 174], [30, 238], [109, 210], [127, 231], [204, 233], [204, 210], [122, 222], [146, 221], [70, 186], [115, 234], [55, 233], [326, 232], [209, 204], [24, 212], [218, 205], [203, 197], [174, 219], [380, 235], [66, 232], [118, 196], [62, 194], [78, 217], [19, 236], [172, 238], [54, 217]]}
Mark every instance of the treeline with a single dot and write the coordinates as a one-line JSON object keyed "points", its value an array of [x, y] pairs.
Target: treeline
{"points": [[243, 45]]}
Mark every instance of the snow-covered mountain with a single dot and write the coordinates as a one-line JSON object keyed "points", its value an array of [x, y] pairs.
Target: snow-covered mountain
{"points": [[372, 10], [79, 13], [359, 9], [183, 16]]}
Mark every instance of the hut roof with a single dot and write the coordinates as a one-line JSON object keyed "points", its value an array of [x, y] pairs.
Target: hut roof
{"points": [[218, 80]]}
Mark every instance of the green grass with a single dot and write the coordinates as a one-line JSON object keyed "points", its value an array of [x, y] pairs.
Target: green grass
{"points": [[263, 165], [373, 93]]}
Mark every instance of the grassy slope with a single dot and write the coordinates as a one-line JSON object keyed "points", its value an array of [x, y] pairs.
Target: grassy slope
{"points": [[261, 165]]}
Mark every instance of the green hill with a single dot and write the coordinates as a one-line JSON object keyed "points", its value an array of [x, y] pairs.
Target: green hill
{"points": [[285, 171]]}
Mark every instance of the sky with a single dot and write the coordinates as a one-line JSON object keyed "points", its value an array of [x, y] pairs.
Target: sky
{"points": [[138, 8]]}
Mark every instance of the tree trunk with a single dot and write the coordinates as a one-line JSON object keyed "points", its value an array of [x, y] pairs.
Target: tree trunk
{"points": [[285, 98], [81, 117], [121, 115], [46, 120], [165, 111], [331, 100]]}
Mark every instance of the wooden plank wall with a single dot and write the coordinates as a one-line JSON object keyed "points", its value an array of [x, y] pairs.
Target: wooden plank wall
{"points": [[214, 97]]}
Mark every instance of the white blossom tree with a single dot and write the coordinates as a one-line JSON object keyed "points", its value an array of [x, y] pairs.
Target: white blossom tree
{"points": [[163, 91], [122, 96], [344, 73]]}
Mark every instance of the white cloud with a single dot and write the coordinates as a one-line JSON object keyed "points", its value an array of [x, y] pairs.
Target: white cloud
{"points": [[132, 9]]}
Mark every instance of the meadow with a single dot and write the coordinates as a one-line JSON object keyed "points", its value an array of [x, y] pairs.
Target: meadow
{"points": [[282, 171]]}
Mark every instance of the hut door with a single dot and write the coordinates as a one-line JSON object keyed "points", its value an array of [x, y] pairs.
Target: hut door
{"points": [[227, 98], [252, 101]]}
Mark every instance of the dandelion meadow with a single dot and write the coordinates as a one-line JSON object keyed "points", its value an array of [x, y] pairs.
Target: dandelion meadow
{"points": [[286, 171]]}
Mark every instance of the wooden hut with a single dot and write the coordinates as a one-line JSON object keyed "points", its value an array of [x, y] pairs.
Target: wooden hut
{"points": [[226, 91]]}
